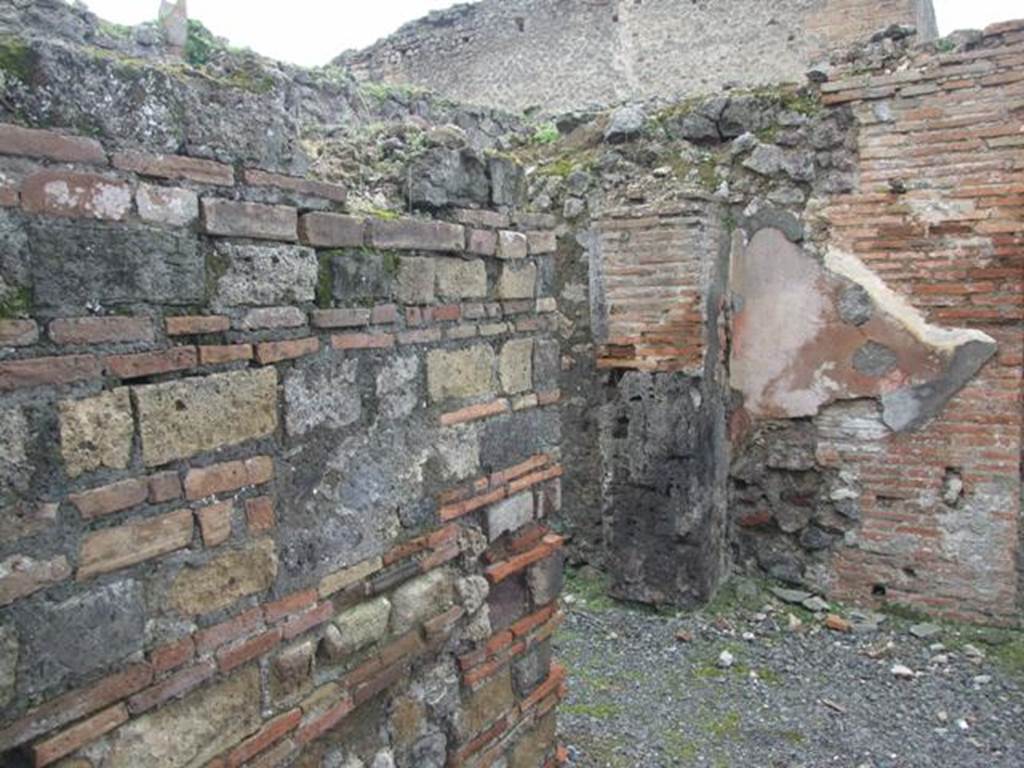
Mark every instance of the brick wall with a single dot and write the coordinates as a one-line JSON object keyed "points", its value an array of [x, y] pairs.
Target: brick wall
{"points": [[273, 474], [938, 214]]}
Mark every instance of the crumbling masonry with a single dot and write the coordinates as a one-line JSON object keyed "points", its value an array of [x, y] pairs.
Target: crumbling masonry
{"points": [[309, 383]]}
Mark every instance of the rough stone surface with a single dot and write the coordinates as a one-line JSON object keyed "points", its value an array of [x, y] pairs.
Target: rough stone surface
{"points": [[181, 419], [515, 366], [460, 279], [445, 177], [421, 599], [224, 579], [414, 283], [8, 664], [626, 123], [360, 275], [509, 515], [457, 374], [265, 275], [96, 433], [518, 281], [321, 392], [399, 387], [204, 723], [360, 626]]}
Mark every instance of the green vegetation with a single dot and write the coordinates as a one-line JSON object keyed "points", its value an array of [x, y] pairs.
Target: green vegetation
{"points": [[16, 58], [590, 587], [724, 728], [603, 710], [679, 747], [385, 91], [15, 303], [115, 31], [324, 279], [545, 133], [201, 45]]}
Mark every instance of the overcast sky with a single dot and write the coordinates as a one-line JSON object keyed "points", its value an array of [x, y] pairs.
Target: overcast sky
{"points": [[313, 32]]}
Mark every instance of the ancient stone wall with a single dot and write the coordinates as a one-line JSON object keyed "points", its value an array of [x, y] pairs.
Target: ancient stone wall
{"points": [[275, 475], [565, 54]]}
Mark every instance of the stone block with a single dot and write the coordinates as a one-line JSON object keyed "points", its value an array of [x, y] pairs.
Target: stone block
{"points": [[332, 230], [357, 628], [96, 433], [486, 704], [265, 275], [152, 363], [545, 579], [112, 549], [167, 205], [518, 281], [399, 391], [461, 279], [547, 365], [8, 664], [532, 668], [224, 579], [298, 184], [76, 195], [536, 745], [509, 515], [63, 642], [184, 418], [322, 392], [507, 441], [541, 242], [109, 499], [512, 245], [18, 333], [421, 599], [215, 523], [272, 318], [361, 276], [515, 366], [460, 373], [193, 730], [291, 671], [71, 265], [482, 242], [228, 218], [414, 283], [508, 602], [418, 235]]}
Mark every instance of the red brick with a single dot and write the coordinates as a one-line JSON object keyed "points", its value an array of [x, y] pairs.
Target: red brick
{"points": [[462, 508], [110, 498], [291, 604], [244, 624], [340, 318], [225, 353], [31, 142], [54, 748], [363, 341], [176, 167], [475, 413], [297, 625], [275, 757], [101, 330], [236, 656], [228, 476], [501, 571], [164, 486], [269, 352], [9, 196], [194, 325], [44, 371], [215, 523], [228, 218], [331, 230], [482, 242], [259, 513], [271, 732], [151, 363], [422, 336], [76, 195], [172, 655], [314, 187], [18, 333], [112, 549], [321, 724], [418, 235], [75, 705], [174, 686], [384, 314], [23, 576]]}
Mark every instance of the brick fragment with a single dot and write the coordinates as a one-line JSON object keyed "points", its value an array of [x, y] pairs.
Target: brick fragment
{"points": [[269, 352], [259, 513], [172, 655], [286, 606], [32, 142], [319, 725], [363, 341], [101, 330], [339, 580], [228, 476], [194, 325], [76, 195], [418, 235], [384, 314], [21, 576], [228, 218], [173, 687], [48, 371], [297, 625], [176, 167], [476, 218], [313, 187], [151, 363], [482, 242], [236, 656], [65, 743], [341, 318], [241, 625], [475, 412], [167, 205], [164, 486], [332, 230], [110, 498], [115, 548], [18, 333], [271, 732], [221, 354], [215, 523]]}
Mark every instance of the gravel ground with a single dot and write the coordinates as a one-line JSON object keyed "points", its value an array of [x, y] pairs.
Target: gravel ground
{"points": [[650, 690]]}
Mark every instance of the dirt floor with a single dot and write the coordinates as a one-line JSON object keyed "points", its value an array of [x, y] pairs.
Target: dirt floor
{"points": [[754, 681]]}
